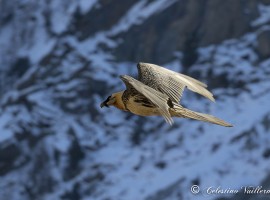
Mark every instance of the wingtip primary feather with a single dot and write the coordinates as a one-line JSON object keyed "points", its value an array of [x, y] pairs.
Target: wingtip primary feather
{"points": [[169, 120], [123, 77], [212, 99], [194, 80], [229, 125]]}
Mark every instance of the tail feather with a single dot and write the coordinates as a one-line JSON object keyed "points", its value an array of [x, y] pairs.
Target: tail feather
{"points": [[186, 113]]}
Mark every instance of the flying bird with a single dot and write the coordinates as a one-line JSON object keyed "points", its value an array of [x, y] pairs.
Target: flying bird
{"points": [[158, 92]]}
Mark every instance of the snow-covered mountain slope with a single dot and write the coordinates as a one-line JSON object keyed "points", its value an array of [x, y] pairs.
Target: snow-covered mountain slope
{"points": [[59, 60]]}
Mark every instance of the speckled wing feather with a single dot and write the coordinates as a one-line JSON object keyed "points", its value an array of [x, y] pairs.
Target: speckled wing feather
{"points": [[169, 82], [157, 98]]}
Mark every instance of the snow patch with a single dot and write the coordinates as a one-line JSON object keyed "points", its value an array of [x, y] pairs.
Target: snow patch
{"points": [[264, 18], [87, 5]]}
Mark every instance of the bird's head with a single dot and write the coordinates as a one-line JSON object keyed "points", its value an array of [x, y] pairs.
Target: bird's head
{"points": [[114, 100]]}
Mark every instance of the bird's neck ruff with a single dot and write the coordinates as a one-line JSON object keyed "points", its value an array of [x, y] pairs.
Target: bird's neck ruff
{"points": [[118, 100]]}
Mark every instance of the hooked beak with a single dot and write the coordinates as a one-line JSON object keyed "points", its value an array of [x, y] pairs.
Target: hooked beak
{"points": [[107, 102], [103, 104]]}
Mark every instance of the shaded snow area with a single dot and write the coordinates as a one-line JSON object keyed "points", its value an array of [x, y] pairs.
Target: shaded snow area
{"points": [[57, 143]]}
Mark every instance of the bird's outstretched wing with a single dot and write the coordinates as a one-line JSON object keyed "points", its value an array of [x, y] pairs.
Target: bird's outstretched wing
{"points": [[169, 82], [157, 98]]}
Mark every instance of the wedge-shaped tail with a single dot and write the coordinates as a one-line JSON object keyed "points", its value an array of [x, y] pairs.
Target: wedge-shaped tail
{"points": [[179, 111]]}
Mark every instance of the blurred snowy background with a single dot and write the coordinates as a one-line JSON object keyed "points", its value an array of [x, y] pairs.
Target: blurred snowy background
{"points": [[60, 59]]}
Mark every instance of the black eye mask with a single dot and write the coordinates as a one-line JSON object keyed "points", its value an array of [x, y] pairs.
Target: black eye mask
{"points": [[105, 102]]}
